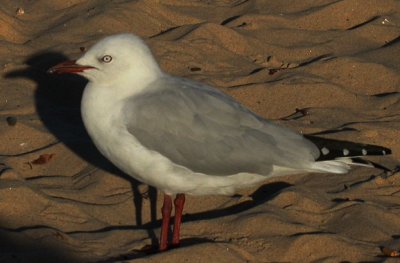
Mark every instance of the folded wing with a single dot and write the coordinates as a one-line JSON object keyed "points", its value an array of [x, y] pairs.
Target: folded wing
{"points": [[206, 131]]}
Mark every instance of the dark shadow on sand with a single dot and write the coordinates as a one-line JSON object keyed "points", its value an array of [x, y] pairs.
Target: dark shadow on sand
{"points": [[17, 247], [57, 101]]}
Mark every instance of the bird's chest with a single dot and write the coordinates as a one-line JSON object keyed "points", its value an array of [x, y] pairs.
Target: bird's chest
{"points": [[105, 123], [103, 120], [104, 126]]}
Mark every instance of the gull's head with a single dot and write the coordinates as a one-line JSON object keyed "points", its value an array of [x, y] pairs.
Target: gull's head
{"points": [[118, 57]]}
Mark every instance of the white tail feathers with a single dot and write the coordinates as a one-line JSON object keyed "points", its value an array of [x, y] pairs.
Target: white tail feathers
{"points": [[340, 165], [332, 166]]}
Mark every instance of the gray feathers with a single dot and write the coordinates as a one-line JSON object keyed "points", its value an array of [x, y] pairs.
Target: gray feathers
{"points": [[206, 131]]}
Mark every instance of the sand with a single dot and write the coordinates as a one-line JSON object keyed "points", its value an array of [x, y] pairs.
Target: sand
{"points": [[336, 61]]}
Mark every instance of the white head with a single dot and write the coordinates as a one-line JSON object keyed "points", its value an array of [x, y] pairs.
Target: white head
{"points": [[115, 58]]}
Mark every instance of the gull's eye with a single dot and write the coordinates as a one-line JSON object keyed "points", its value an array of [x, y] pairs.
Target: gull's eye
{"points": [[106, 59]]}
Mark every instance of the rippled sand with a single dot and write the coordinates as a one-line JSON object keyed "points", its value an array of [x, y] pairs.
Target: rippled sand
{"points": [[335, 63]]}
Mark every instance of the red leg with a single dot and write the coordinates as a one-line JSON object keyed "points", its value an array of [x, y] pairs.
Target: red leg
{"points": [[179, 203], [166, 216]]}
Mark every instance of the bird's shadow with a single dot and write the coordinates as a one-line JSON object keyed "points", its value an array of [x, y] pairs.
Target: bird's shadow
{"points": [[57, 101]]}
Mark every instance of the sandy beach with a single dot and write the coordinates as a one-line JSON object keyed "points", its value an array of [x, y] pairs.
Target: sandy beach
{"points": [[323, 67]]}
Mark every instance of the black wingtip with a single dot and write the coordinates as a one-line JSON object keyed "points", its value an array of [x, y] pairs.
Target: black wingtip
{"points": [[331, 149]]}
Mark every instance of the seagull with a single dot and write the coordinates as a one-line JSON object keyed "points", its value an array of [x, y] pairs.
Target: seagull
{"points": [[186, 137]]}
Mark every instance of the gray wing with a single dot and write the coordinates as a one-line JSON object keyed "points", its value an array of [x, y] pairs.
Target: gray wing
{"points": [[207, 131]]}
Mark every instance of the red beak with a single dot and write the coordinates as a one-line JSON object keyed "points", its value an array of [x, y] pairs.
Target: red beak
{"points": [[68, 67]]}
